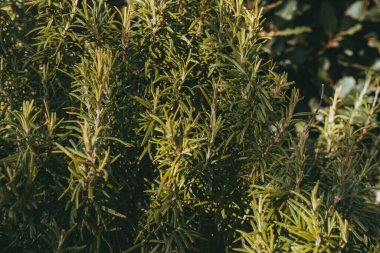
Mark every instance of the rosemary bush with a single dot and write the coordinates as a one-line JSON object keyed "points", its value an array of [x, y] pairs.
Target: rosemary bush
{"points": [[159, 126]]}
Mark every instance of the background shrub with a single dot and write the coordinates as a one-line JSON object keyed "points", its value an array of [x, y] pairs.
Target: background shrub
{"points": [[330, 42]]}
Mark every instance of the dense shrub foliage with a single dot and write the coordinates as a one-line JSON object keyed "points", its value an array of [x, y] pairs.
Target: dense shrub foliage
{"points": [[158, 126]]}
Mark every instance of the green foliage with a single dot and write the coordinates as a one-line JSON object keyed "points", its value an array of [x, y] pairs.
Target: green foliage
{"points": [[323, 41], [158, 126]]}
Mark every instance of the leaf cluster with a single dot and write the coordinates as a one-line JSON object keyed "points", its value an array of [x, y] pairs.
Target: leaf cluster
{"points": [[158, 126]]}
